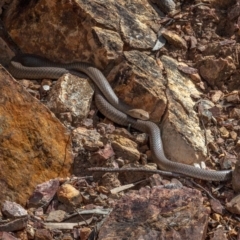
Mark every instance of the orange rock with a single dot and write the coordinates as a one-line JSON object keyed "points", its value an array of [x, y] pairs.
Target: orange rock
{"points": [[34, 145]]}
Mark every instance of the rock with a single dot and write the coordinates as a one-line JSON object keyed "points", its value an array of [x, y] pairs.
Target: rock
{"points": [[235, 113], [125, 148], [14, 225], [71, 94], [121, 23], [69, 195], [84, 233], [7, 236], [30, 231], [13, 210], [195, 77], [174, 39], [43, 193], [131, 27], [203, 107], [104, 128], [234, 205], [166, 6], [123, 132], [139, 79], [87, 122], [224, 132], [233, 135], [214, 71], [158, 213], [141, 138], [56, 216], [219, 234], [43, 234], [232, 97], [216, 95], [182, 137], [216, 206], [110, 180], [6, 53], [67, 236], [216, 217], [41, 142], [86, 138], [102, 154]]}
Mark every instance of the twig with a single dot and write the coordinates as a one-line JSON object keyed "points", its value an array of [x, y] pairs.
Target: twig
{"points": [[125, 187], [91, 211], [163, 173], [205, 135], [204, 189], [51, 225]]}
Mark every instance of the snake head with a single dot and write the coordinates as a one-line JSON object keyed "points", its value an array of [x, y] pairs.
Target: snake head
{"points": [[139, 114]]}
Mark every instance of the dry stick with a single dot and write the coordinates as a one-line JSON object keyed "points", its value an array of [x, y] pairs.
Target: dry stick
{"points": [[204, 189], [163, 173], [65, 152], [205, 135]]}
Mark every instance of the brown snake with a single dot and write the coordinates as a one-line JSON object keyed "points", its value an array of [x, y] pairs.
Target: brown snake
{"points": [[33, 67]]}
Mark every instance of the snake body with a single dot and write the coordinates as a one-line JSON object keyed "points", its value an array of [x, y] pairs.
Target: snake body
{"points": [[36, 68]]}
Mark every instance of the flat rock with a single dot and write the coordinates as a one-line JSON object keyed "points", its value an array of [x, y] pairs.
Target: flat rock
{"points": [[163, 212], [182, 136], [13, 210], [34, 145], [56, 216], [125, 148]]}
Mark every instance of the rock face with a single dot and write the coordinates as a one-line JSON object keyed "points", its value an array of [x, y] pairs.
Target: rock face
{"points": [[79, 37], [76, 24], [138, 80], [181, 118], [164, 212], [34, 145]]}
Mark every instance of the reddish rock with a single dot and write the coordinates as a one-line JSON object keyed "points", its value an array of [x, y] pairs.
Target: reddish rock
{"points": [[43, 193], [43, 234], [7, 236], [164, 212], [102, 154]]}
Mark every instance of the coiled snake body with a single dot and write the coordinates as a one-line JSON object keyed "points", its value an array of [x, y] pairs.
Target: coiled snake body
{"points": [[30, 66]]}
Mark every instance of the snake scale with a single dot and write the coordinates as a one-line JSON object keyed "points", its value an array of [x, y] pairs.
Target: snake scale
{"points": [[34, 67]]}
